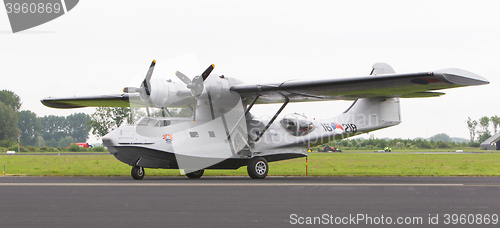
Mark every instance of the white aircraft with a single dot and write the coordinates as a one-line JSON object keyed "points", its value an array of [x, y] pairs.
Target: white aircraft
{"points": [[223, 134]]}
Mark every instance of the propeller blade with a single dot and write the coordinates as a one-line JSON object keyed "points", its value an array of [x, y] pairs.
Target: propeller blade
{"points": [[146, 83], [194, 110], [145, 86], [150, 71], [207, 72], [147, 108], [197, 86], [183, 77]]}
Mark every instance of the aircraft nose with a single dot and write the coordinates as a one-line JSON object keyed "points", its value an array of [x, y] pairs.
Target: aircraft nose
{"points": [[108, 143]]}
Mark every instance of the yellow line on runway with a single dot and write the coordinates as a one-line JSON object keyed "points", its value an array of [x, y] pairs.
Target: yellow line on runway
{"points": [[231, 185]]}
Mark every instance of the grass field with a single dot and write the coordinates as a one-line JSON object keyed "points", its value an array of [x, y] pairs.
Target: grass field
{"points": [[319, 164]]}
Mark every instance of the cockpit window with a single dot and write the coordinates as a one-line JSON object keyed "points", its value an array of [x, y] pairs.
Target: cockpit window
{"points": [[162, 123], [148, 121], [297, 124]]}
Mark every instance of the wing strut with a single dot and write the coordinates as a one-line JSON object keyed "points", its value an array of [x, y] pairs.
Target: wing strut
{"points": [[242, 116], [274, 118]]}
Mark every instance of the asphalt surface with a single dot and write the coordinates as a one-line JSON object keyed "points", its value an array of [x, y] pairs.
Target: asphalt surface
{"points": [[52, 153], [107, 153], [243, 202]]}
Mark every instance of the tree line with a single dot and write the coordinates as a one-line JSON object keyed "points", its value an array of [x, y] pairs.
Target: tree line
{"points": [[479, 130], [439, 141], [32, 130]]}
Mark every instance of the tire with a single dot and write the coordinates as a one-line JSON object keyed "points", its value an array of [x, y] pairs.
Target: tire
{"points": [[257, 168], [195, 174], [137, 172]]}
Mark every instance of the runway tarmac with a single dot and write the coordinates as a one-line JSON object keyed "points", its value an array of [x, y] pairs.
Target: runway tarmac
{"points": [[60, 154], [243, 202]]}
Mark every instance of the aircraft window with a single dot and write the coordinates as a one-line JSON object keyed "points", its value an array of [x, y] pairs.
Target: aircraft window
{"points": [[194, 134], [164, 123], [147, 121], [297, 124], [154, 122], [211, 133]]}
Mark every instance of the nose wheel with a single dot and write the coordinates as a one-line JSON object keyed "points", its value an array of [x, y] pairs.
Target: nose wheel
{"points": [[257, 168], [137, 172], [195, 174]]}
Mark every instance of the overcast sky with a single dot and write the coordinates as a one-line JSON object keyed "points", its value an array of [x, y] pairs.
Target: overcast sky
{"points": [[101, 46]]}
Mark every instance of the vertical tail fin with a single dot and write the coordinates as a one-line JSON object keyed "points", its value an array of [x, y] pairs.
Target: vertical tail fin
{"points": [[381, 68], [374, 113]]}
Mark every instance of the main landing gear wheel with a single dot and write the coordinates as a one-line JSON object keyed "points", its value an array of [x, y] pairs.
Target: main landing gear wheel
{"points": [[137, 172], [195, 174], [257, 168]]}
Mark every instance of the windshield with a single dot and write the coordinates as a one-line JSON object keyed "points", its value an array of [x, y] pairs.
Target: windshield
{"points": [[150, 121], [147, 121]]}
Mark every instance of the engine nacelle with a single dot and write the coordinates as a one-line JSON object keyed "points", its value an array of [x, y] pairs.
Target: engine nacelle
{"points": [[165, 93], [219, 88]]}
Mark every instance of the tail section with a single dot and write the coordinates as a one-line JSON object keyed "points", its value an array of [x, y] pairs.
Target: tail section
{"points": [[370, 114], [381, 68]]}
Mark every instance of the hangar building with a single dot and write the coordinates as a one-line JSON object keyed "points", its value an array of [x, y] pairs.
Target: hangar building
{"points": [[492, 143]]}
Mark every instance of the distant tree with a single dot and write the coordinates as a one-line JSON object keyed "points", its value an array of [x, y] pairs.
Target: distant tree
{"points": [[382, 144], [39, 141], [484, 122], [53, 127], [101, 122], [441, 137], [29, 126], [485, 133], [120, 116], [8, 123], [10, 99], [78, 126], [483, 136], [52, 143], [495, 121], [66, 141], [181, 112], [106, 119], [472, 124], [443, 144]]}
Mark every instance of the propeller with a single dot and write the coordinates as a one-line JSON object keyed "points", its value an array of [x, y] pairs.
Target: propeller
{"points": [[145, 89], [196, 85]]}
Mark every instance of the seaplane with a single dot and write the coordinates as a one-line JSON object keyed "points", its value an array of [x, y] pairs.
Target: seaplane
{"points": [[223, 134]]}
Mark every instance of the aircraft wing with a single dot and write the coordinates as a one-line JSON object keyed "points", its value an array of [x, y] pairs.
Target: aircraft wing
{"points": [[116, 100], [390, 85]]}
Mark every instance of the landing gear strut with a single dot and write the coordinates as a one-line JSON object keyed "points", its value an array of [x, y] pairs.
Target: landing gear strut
{"points": [[195, 174], [257, 168], [137, 172]]}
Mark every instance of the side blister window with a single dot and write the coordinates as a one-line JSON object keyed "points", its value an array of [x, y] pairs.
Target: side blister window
{"points": [[297, 125]]}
